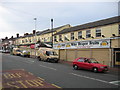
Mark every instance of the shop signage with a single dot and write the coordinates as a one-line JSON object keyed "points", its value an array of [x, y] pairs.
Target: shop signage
{"points": [[105, 43]]}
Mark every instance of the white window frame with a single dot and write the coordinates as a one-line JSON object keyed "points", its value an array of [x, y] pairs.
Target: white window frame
{"points": [[88, 33], [72, 36], [80, 35], [98, 32]]}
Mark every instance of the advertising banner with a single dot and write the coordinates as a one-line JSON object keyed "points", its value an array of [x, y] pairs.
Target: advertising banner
{"points": [[103, 43]]}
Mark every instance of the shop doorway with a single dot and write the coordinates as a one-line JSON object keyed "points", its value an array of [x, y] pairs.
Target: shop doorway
{"points": [[117, 57]]}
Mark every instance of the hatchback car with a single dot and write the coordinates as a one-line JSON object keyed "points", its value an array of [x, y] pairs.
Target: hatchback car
{"points": [[89, 64]]}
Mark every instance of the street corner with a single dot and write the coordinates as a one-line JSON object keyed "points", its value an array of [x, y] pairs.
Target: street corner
{"points": [[23, 79]]}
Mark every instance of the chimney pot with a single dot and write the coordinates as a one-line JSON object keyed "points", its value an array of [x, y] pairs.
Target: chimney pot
{"points": [[17, 35]]}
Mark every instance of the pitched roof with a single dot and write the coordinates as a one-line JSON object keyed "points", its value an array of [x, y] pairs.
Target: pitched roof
{"points": [[49, 30], [91, 25]]}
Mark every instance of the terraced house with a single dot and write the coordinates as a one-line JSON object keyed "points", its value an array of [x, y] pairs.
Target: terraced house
{"points": [[28, 41], [99, 40]]}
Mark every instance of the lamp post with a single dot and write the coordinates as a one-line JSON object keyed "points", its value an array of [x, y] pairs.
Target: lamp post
{"points": [[35, 19], [52, 31]]}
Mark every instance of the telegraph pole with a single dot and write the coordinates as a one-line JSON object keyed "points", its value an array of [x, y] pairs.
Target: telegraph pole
{"points": [[35, 19]]}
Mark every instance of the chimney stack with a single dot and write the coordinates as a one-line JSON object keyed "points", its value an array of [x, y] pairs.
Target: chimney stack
{"points": [[34, 31], [26, 34], [12, 37], [17, 35], [6, 37]]}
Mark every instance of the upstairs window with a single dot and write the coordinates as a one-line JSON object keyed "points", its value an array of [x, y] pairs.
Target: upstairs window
{"points": [[26, 40], [88, 34], [66, 38], [72, 36], [22, 41], [60, 38], [119, 29], [98, 32], [55, 38], [29, 40], [79, 34]]}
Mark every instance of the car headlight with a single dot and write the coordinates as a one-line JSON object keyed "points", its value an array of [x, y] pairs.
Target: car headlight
{"points": [[102, 67]]}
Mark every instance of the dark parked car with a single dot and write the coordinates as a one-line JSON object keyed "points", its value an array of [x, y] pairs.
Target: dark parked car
{"points": [[89, 64]]}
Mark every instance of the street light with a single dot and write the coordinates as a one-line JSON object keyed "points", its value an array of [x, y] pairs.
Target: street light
{"points": [[35, 19], [52, 31]]}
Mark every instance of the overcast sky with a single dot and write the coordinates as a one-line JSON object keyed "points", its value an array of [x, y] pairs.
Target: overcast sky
{"points": [[16, 16]]}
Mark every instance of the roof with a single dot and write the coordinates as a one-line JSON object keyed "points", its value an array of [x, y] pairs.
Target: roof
{"points": [[49, 30], [91, 25]]}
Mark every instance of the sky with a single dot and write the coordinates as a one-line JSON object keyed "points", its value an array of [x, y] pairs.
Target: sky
{"points": [[17, 16]]}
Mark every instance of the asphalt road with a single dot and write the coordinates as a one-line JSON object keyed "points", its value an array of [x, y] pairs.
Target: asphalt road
{"points": [[60, 74]]}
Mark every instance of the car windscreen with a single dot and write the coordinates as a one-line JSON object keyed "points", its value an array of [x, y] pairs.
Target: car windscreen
{"points": [[18, 50]]}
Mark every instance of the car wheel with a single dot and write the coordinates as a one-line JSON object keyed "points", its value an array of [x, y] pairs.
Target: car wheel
{"points": [[39, 58], [75, 67], [95, 69]]}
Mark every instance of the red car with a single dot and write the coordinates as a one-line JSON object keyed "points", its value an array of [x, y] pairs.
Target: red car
{"points": [[89, 64]]}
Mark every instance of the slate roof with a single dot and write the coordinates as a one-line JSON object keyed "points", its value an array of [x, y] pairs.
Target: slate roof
{"points": [[49, 30], [91, 25]]}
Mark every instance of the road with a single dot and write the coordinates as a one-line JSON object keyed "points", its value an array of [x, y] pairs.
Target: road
{"points": [[59, 74]]}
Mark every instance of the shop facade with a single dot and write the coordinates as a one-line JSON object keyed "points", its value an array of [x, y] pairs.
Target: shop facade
{"points": [[101, 49]]}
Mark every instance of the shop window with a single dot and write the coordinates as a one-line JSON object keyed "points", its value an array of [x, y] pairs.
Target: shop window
{"points": [[79, 34], [72, 36], [98, 32], [88, 34]]}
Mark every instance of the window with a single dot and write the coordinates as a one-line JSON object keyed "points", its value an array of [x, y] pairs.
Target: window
{"points": [[45, 40], [22, 41], [60, 37], [72, 36], [55, 38], [98, 32], [29, 40], [26, 40], [79, 34], [119, 29], [81, 60], [88, 34], [66, 38]]}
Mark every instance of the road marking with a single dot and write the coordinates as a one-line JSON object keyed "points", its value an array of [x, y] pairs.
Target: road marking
{"points": [[55, 85], [115, 82], [47, 67], [92, 78]]}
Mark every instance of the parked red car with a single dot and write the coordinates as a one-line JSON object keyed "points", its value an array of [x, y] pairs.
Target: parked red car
{"points": [[89, 64]]}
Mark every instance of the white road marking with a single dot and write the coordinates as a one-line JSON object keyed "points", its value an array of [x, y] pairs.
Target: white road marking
{"points": [[47, 67], [115, 82], [92, 78]]}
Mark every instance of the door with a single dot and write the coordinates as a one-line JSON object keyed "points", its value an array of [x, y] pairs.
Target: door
{"points": [[117, 57]]}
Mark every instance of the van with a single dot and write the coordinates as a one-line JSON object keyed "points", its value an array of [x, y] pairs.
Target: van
{"points": [[16, 51], [47, 54]]}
